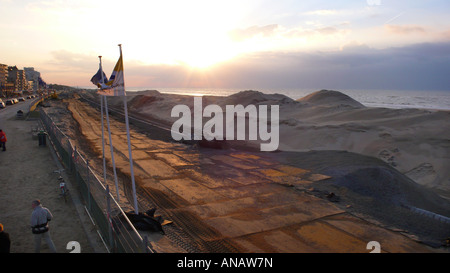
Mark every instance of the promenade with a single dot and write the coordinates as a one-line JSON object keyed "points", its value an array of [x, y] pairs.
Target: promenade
{"points": [[26, 173]]}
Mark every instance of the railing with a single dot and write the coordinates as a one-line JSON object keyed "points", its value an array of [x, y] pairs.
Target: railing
{"points": [[34, 104], [116, 230]]}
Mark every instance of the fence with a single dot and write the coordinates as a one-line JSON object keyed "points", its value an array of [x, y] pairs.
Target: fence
{"points": [[116, 230]]}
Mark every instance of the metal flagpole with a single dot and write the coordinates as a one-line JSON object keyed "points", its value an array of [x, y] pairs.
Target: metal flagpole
{"points": [[136, 210], [103, 127], [111, 148], [103, 140], [110, 141]]}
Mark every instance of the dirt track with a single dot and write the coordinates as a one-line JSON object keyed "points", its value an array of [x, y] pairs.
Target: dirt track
{"points": [[226, 201]]}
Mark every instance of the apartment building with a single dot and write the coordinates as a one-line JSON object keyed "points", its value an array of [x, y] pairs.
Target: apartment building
{"points": [[18, 78], [3, 79], [32, 75]]}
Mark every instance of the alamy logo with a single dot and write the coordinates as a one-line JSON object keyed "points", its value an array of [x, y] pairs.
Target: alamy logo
{"points": [[258, 123]]}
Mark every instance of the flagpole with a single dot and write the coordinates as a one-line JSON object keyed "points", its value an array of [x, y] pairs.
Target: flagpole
{"points": [[103, 126], [110, 140], [111, 148], [136, 210], [103, 140]]}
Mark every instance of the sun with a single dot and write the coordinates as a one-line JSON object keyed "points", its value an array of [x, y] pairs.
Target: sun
{"points": [[200, 61]]}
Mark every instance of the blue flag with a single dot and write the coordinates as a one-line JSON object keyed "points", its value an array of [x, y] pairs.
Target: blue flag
{"points": [[97, 78]]}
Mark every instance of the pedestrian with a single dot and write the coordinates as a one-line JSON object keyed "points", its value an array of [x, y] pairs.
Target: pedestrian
{"points": [[2, 140], [39, 226], [5, 242]]}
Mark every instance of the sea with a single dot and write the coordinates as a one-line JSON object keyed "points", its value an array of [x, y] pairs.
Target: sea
{"points": [[396, 99]]}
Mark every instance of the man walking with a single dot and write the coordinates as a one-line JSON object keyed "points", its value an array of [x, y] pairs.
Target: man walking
{"points": [[2, 140], [39, 226]]}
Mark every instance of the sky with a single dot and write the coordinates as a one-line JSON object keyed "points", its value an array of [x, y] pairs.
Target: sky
{"points": [[251, 44]]}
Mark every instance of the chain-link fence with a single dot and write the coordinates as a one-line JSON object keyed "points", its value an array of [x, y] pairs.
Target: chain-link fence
{"points": [[116, 230]]}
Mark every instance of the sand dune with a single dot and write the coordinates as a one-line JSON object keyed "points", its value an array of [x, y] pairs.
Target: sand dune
{"points": [[330, 98], [415, 142]]}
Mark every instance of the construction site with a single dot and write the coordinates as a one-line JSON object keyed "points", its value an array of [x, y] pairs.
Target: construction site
{"points": [[226, 200]]}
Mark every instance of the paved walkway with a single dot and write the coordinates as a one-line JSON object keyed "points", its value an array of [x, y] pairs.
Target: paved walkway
{"points": [[26, 173], [242, 201]]}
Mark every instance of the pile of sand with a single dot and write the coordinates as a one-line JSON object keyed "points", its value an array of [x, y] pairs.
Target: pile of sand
{"points": [[370, 187], [253, 97], [413, 141], [330, 98]]}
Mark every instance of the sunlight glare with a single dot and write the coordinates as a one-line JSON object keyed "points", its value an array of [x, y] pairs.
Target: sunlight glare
{"points": [[196, 37]]}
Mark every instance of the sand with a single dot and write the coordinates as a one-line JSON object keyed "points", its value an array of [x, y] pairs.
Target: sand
{"points": [[413, 141]]}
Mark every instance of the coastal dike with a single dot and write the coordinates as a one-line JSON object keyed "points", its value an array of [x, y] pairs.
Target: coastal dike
{"points": [[234, 200]]}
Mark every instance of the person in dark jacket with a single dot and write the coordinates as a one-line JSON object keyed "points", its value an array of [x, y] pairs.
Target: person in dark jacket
{"points": [[5, 242], [2, 140]]}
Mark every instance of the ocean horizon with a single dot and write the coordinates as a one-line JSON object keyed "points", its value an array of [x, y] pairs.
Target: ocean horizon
{"points": [[395, 99]]}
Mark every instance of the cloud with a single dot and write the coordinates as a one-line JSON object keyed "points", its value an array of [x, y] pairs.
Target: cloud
{"points": [[321, 12], [247, 33], [416, 67], [355, 47], [404, 29], [445, 34], [321, 31], [63, 60], [327, 30]]}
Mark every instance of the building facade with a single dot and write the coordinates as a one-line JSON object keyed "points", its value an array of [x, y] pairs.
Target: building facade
{"points": [[32, 75], [22, 82], [17, 78], [13, 76], [3, 79]]}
